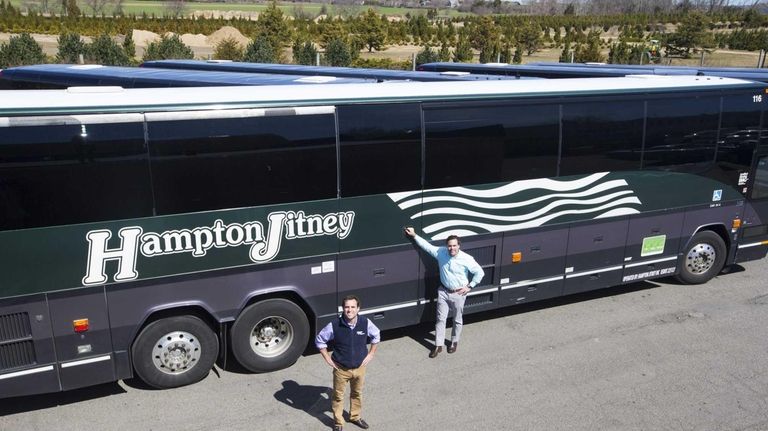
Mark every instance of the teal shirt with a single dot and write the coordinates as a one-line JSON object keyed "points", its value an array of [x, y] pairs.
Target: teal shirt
{"points": [[454, 271]]}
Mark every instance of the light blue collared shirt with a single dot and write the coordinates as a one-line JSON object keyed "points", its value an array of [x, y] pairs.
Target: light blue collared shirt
{"points": [[454, 270]]}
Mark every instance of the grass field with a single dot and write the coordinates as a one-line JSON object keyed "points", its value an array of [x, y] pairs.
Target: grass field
{"points": [[160, 8]]}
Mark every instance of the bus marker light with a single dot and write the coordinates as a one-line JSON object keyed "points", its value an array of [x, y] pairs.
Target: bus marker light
{"points": [[80, 325], [517, 257], [85, 348], [736, 224]]}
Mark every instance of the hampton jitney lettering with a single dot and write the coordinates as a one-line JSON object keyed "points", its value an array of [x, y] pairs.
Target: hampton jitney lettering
{"points": [[199, 240]]}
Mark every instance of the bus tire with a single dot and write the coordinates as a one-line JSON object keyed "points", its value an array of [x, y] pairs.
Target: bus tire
{"points": [[175, 351], [269, 335], [702, 259]]}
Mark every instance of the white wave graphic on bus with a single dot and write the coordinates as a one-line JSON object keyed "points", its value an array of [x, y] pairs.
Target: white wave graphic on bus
{"points": [[465, 211]]}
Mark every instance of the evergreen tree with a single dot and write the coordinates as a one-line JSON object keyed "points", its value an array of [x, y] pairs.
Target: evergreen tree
{"points": [[338, 53], [427, 55], [445, 52], [274, 28], [104, 50], [304, 53], [518, 57], [128, 45], [168, 47], [19, 51], [463, 52], [260, 50], [71, 47], [372, 31], [228, 49]]}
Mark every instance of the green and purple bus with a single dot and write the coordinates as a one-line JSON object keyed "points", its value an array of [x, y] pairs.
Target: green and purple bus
{"points": [[151, 232]]}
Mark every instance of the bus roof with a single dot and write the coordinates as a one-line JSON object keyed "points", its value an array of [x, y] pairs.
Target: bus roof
{"points": [[111, 99], [66, 75], [294, 69], [574, 70]]}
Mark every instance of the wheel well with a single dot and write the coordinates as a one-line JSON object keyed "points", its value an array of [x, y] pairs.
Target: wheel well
{"points": [[189, 310], [719, 229]]}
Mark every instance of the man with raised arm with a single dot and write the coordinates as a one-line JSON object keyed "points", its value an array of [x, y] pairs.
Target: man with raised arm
{"points": [[455, 269], [349, 335]]}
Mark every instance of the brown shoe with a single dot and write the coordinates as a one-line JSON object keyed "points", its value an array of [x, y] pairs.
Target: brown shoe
{"points": [[435, 351], [452, 348]]}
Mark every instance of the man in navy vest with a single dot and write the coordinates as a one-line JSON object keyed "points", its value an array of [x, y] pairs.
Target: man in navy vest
{"points": [[349, 335]]}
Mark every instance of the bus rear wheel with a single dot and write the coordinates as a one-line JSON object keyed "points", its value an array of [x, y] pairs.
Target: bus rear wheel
{"points": [[174, 351], [703, 259], [269, 335]]}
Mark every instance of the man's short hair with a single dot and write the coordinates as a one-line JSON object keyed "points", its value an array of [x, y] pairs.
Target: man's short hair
{"points": [[350, 298], [450, 237]]}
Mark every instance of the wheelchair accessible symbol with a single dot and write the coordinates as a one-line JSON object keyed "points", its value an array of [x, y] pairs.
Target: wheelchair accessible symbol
{"points": [[717, 195]]}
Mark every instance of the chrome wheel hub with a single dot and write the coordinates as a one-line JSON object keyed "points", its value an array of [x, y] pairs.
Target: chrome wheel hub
{"points": [[700, 258], [176, 352], [271, 337]]}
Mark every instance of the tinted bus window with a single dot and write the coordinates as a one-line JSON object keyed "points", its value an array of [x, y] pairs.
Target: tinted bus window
{"points": [[380, 148], [739, 134], [215, 163], [681, 133], [55, 174], [487, 144], [601, 136], [760, 187]]}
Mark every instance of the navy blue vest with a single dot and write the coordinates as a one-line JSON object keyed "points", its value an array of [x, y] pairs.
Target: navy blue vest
{"points": [[350, 345]]}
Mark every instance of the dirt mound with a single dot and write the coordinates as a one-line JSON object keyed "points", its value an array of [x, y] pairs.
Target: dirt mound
{"points": [[224, 33], [144, 38], [193, 39]]}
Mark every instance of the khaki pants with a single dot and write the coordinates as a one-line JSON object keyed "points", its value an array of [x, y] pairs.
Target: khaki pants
{"points": [[356, 379]]}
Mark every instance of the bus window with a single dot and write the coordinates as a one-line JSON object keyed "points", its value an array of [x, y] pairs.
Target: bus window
{"points": [[681, 133], [62, 170], [760, 187], [739, 134], [487, 144], [380, 148], [601, 136], [201, 163]]}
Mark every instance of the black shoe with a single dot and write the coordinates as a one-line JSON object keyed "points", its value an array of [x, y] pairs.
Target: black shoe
{"points": [[452, 348], [433, 353], [361, 423]]}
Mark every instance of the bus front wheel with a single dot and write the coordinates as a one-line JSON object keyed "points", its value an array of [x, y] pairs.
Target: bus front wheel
{"points": [[269, 335], [174, 351], [703, 259]]}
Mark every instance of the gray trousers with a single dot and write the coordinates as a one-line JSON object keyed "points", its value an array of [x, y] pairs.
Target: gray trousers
{"points": [[448, 302]]}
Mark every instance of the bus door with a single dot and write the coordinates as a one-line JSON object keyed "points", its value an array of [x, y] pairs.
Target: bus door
{"points": [[380, 186], [753, 241]]}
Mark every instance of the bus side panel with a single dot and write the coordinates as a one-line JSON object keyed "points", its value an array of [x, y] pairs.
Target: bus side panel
{"points": [[713, 216], [223, 294], [85, 358], [595, 255], [539, 273], [754, 232], [386, 283], [652, 245], [27, 356]]}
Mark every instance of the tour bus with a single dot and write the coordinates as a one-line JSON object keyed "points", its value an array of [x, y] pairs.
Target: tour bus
{"points": [[152, 232]]}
